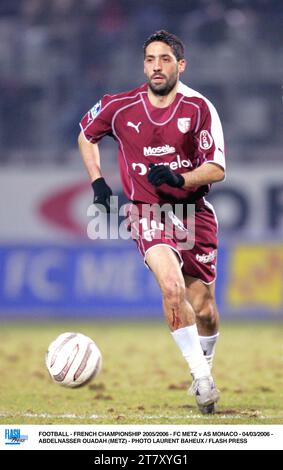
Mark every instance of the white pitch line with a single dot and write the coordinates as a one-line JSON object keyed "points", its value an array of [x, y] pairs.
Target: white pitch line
{"points": [[140, 417], [47, 415], [198, 416]]}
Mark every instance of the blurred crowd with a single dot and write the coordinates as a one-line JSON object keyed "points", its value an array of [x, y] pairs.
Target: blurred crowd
{"points": [[57, 57]]}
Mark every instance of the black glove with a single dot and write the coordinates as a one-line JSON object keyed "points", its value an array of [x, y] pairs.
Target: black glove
{"points": [[102, 193], [160, 174]]}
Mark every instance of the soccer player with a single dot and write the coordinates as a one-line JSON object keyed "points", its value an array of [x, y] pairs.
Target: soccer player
{"points": [[171, 150]]}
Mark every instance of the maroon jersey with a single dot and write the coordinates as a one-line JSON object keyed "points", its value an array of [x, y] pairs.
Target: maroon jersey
{"points": [[184, 135]]}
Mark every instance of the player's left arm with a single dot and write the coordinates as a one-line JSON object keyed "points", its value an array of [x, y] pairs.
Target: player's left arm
{"points": [[203, 175], [210, 147]]}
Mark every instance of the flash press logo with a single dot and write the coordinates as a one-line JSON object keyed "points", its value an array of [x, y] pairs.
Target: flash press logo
{"points": [[14, 437]]}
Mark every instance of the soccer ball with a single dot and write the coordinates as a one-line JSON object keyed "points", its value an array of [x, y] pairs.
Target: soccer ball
{"points": [[73, 359]]}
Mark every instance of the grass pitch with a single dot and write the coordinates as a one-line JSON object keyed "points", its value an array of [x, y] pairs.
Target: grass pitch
{"points": [[144, 379]]}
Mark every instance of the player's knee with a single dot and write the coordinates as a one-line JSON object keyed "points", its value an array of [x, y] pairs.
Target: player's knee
{"points": [[206, 310], [173, 291]]}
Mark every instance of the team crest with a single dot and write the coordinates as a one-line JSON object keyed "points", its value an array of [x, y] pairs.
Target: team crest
{"points": [[184, 124]]}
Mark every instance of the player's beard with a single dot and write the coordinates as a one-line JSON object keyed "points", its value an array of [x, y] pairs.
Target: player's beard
{"points": [[163, 89]]}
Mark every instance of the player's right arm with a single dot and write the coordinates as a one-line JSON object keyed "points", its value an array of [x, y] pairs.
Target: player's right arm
{"points": [[94, 125], [91, 158]]}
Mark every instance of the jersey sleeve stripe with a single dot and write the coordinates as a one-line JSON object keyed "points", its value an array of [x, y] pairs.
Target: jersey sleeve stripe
{"points": [[217, 135]]}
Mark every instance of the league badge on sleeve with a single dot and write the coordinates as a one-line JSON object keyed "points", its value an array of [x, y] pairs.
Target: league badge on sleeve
{"points": [[95, 109], [184, 124], [93, 112]]}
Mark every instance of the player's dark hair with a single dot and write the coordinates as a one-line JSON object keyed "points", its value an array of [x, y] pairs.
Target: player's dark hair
{"points": [[168, 38]]}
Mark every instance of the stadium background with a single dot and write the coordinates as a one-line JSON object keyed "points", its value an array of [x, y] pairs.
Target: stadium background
{"points": [[57, 58]]}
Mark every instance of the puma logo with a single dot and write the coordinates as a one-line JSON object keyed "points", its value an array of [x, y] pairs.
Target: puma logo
{"points": [[135, 126], [89, 117]]}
